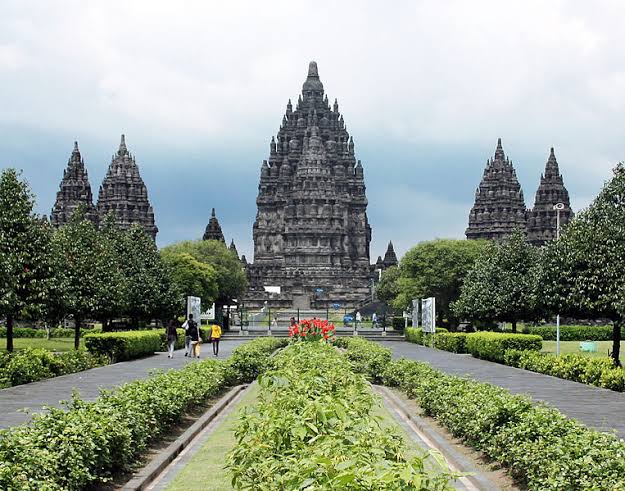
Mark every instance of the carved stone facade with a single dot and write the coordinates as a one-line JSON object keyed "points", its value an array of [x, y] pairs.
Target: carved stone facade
{"points": [[74, 191], [500, 207], [213, 229], [311, 234], [542, 219], [123, 192]]}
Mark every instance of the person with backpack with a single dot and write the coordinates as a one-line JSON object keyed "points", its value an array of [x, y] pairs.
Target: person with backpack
{"points": [[191, 334]]}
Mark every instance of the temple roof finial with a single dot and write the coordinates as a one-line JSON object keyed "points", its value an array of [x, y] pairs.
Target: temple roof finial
{"points": [[122, 145], [499, 154], [213, 212], [312, 69], [76, 146], [312, 83]]}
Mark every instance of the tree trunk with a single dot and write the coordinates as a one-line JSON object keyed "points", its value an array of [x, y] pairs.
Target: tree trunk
{"points": [[77, 323], [105, 325], [9, 333], [616, 343], [514, 326]]}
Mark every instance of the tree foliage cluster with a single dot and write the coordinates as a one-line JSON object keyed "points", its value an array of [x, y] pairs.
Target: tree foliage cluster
{"points": [[85, 272]]}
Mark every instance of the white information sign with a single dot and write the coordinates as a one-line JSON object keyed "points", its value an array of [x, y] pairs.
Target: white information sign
{"points": [[415, 313], [428, 314], [194, 306]]}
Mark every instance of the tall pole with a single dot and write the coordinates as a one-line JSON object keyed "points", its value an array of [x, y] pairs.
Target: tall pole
{"points": [[558, 207]]}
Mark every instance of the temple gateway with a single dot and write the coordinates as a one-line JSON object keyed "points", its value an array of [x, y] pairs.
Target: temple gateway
{"points": [[311, 234]]}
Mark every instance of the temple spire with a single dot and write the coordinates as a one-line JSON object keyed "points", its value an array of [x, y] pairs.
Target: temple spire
{"points": [[213, 229], [312, 86], [499, 154], [390, 258]]}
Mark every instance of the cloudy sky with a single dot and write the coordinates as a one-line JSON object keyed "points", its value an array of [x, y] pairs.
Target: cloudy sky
{"points": [[426, 88]]}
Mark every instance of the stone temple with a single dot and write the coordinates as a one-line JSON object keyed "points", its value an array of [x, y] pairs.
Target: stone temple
{"points": [[311, 234], [500, 206], [123, 193], [74, 191], [213, 229]]}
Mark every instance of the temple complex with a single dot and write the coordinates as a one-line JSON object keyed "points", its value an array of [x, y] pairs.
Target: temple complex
{"points": [[123, 193], [542, 220], [74, 191], [311, 234], [500, 207], [390, 258], [213, 229]]}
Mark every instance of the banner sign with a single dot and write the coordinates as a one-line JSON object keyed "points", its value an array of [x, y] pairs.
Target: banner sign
{"points": [[415, 313], [428, 314], [194, 306]]}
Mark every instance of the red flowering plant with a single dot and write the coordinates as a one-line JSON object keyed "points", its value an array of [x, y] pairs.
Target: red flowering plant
{"points": [[313, 330]]}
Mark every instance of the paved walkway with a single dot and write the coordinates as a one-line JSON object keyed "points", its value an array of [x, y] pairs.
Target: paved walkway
{"points": [[599, 408], [50, 392]]}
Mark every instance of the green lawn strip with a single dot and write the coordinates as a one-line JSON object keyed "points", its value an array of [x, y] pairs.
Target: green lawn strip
{"points": [[206, 470], [53, 344], [567, 347]]}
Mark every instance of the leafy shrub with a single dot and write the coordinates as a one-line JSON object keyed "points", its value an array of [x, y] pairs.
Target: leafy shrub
{"points": [[29, 332], [573, 333], [493, 345], [314, 419], [593, 371], [85, 444], [366, 357], [32, 364], [416, 335], [456, 342], [398, 323], [543, 449], [249, 360], [125, 345]]}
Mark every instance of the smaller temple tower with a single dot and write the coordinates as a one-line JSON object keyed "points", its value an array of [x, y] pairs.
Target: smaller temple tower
{"points": [[123, 193], [499, 204], [233, 248], [74, 191], [541, 220], [390, 258], [213, 230]]}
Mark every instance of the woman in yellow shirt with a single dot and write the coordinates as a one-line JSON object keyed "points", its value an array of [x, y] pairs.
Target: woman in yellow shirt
{"points": [[215, 337]]}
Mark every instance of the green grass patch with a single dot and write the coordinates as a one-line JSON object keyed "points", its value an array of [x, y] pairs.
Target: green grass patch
{"points": [[206, 469], [572, 347], [54, 344]]}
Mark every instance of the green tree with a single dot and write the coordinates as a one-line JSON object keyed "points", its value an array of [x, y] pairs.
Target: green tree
{"points": [[502, 285], [436, 268], [150, 290], [192, 277], [231, 278], [26, 274], [388, 289], [90, 284], [583, 273]]}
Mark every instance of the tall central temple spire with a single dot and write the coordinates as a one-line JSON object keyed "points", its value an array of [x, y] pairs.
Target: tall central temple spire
{"points": [[311, 234]]}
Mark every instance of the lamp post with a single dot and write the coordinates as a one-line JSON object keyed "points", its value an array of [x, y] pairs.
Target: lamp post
{"points": [[558, 207]]}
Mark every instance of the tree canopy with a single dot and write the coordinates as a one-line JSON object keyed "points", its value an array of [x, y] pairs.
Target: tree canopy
{"points": [[192, 277]]}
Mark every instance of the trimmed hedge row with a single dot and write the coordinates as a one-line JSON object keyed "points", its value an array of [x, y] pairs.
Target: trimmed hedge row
{"points": [[32, 364], [493, 345], [542, 448], [599, 372], [89, 442], [365, 357], [456, 342], [416, 334], [29, 332], [124, 345], [573, 333], [317, 429]]}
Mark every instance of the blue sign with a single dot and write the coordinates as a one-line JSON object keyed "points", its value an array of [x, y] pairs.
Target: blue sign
{"points": [[336, 306], [347, 318], [319, 290]]}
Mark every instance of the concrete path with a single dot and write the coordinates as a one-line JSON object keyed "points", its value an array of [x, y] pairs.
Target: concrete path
{"points": [[14, 400], [599, 408]]}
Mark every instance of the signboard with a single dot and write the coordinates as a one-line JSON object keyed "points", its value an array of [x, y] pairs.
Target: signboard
{"points": [[194, 306], [319, 290], [428, 314], [272, 289], [336, 306], [415, 313], [209, 314]]}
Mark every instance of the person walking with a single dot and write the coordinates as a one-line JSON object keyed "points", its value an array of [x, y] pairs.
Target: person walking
{"points": [[194, 334], [172, 336], [374, 320], [187, 336], [358, 319], [215, 337]]}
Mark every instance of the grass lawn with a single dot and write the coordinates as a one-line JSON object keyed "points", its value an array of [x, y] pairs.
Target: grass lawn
{"points": [[54, 344], [567, 347], [205, 469]]}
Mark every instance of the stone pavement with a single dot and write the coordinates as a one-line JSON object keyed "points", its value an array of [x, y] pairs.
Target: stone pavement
{"points": [[88, 383], [599, 408]]}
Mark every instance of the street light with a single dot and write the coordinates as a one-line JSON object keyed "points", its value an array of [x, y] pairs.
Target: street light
{"points": [[558, 207]]}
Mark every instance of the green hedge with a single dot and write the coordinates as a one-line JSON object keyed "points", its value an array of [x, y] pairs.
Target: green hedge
{"points": [[249, 360], [89, 442], [179, 341], [456, 342], [493, 345], [541, 448], [317, 428], [573, 333], [124, 345], [29, 332], [579, 368], [366, 357], [32, 364], [416, 335]]}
